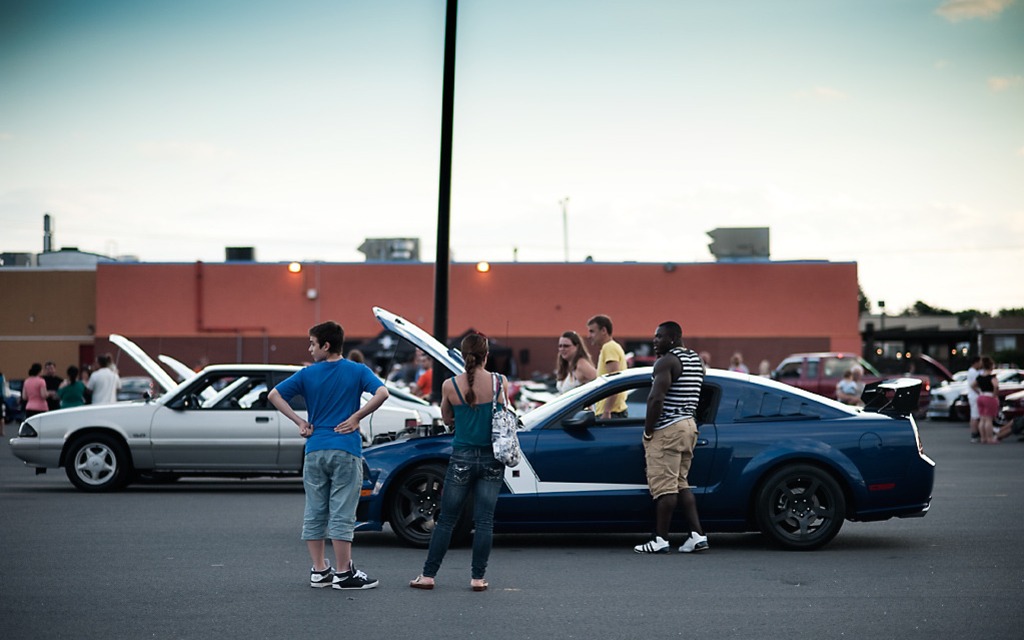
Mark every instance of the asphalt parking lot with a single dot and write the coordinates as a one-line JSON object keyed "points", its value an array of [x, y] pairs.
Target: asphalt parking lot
{"points": [[222, 558]]}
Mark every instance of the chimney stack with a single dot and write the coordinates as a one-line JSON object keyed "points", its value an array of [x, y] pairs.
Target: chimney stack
{"points": [[47, 234]]}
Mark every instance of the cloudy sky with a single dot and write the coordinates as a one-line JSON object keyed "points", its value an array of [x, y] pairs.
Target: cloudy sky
{"points": [[886, 132]]}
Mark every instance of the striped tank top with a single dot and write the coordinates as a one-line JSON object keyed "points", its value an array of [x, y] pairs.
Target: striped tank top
{"points": [[684, 393]]}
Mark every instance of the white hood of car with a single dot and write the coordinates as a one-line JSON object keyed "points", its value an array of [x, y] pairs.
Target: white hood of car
{"points": [[450, 358], [178, 367], [160, 377]]}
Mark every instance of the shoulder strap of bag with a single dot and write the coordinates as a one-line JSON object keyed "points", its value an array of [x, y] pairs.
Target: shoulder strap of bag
{"points": [[496, 386]]}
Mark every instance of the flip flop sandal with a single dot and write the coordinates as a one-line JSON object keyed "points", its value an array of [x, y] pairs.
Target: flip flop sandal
{"points": [[418, 583], [479, 585]]}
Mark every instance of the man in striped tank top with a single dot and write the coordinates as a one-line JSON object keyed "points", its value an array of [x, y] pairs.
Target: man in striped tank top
{"points": [[670, 434]]}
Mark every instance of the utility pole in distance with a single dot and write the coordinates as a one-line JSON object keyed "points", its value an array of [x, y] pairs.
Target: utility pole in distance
{"points": [[565, 225]]}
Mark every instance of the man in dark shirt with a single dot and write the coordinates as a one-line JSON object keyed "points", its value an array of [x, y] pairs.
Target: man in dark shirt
{"points": [[53, 382]]}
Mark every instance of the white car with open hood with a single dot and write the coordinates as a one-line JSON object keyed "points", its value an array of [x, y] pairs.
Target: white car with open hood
{"points": [[217, 422]]}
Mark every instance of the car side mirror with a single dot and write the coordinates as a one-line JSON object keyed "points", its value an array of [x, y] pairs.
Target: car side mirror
{"points": [[582, 421]]}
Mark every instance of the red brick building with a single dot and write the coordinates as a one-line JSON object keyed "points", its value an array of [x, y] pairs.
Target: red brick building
{"points": [[256, 312]]}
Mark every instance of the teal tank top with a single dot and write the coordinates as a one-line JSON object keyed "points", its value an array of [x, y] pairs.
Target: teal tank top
{"points": [[472, 423]]}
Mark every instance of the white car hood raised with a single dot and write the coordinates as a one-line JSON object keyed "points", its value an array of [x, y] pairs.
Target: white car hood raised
{"points": [[160, 376], [450, 358]]}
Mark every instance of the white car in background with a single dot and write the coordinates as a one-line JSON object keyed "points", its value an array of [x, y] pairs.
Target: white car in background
{"points": [[388, 422], [218, 422], [949, 401]]}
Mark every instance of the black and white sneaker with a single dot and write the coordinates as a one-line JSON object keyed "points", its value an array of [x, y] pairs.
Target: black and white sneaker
{"points": [[353, 579], [656, 545], [695, 542], [321, 579]]}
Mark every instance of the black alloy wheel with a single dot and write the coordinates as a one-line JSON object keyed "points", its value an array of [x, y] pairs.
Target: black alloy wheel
{"points": [[414, 504], [800, 507]]}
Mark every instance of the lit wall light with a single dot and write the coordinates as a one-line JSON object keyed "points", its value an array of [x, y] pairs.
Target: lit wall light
{"points": [[483, 267], [294, 267]]}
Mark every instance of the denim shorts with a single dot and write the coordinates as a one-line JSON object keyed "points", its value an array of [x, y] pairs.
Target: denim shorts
{"points": [[332, 480]]}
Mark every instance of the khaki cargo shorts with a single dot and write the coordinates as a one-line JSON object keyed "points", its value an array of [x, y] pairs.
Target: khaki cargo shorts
{"points": [[669, 454]]}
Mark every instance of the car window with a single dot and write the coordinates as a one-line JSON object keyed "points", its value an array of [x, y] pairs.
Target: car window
{"points": [[812, 369], [1010, 376], [790, 370], [755, 403], [227, 391], [836, 367], [636, 403]]}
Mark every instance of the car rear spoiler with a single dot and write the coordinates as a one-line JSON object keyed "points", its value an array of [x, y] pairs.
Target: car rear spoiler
{"points": [[899, 397]]}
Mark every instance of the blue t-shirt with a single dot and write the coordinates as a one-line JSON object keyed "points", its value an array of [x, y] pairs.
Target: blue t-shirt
{"points": [[333, 392]]}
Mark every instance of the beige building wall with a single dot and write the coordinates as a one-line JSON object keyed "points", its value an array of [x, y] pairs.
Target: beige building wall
{"points": [[46, 314]]}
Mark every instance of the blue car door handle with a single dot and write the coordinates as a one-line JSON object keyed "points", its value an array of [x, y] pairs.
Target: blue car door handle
{"points": [[701, 442], [262, 419]]}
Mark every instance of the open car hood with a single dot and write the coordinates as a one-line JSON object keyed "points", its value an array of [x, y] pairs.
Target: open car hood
{"points": [[150, 366], [178, 367], [450, 358]]}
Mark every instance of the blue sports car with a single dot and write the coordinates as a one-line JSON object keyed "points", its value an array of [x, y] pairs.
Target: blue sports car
{"points": [[769, 458]]}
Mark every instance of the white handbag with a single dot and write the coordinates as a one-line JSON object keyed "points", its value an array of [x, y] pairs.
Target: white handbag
{"points": [[504, 423]]}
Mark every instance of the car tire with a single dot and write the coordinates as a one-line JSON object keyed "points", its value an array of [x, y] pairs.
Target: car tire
{"points": [[98, 462], [800, 507], [414, 503], [960, 412]]}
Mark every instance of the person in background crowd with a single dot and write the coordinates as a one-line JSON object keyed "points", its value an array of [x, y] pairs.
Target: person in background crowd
{"points": [[988, 400], [5, 391], [574, 366], [104, 382], [72, 392], [33, 391], [972, 395], [53, 382], [765, 369], [705, 357], [610, 359], [849, 389], [424, 386], [736, 363], [356, 355]]}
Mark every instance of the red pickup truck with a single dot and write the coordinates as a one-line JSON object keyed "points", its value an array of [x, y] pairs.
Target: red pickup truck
{"points": [[819, 373]]}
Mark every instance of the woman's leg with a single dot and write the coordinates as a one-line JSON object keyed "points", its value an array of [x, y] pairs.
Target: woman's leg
{"points": [[488, 485], [453, 495]]}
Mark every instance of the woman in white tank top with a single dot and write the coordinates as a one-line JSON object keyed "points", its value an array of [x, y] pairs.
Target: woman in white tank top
{"points": [[574, 364]]}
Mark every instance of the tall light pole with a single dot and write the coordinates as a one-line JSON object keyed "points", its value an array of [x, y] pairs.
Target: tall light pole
{"points": [[565, 225], [442, 259]]}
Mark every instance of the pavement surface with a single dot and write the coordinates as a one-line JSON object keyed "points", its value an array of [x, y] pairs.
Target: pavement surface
{"points": [[223, 559]]}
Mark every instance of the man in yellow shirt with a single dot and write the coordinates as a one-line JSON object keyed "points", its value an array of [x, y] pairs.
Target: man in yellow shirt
{"points": [[611, 358]]}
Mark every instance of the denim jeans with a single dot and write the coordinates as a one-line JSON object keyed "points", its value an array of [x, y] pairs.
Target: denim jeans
{"points": [[332, 480], [470, 470]]}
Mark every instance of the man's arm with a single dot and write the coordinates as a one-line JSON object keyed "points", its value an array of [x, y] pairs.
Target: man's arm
{"points": [[656, 399], [352, 423], [305, 429]]}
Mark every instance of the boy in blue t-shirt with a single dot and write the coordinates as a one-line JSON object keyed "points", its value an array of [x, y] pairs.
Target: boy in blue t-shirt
{"points": [[332, 473]]}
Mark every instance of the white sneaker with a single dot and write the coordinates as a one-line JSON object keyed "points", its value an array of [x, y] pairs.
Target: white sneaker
{"points": [[694, 543], [658, 545]]}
